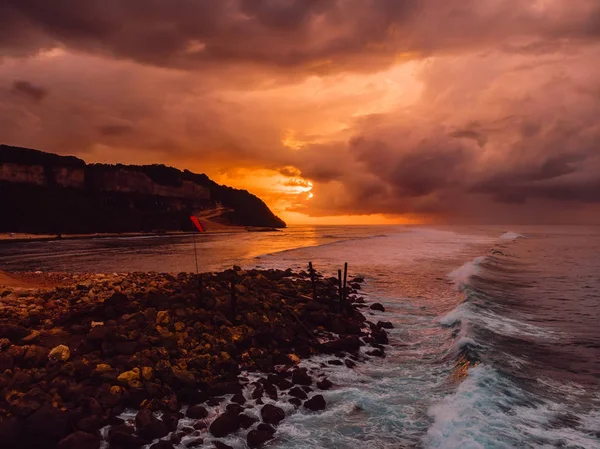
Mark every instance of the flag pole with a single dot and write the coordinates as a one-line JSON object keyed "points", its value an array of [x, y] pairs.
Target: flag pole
{"points": [[195, 252], [199, 227]]}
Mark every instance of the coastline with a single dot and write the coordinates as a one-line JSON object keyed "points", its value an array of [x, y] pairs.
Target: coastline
{"points": [[211, 228], [196, 363]]}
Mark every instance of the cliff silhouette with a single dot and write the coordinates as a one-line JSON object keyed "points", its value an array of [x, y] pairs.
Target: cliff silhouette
{"points": [[47, 193]]}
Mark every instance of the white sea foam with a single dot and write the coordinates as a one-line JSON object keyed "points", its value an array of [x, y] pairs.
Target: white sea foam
{"points": [[511, 236], [480, 414], [455, 316], [462, 274], [462, 342]]}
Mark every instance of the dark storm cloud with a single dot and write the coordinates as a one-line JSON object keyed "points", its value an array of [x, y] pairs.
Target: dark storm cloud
{"points": [[29, 91], [322, 35], [505, 121]]}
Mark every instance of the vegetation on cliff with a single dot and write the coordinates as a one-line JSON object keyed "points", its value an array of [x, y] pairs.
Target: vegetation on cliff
{"points": [[50, 207]]}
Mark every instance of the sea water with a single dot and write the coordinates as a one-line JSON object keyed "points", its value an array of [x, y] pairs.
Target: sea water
{"points": [[496, 339]]}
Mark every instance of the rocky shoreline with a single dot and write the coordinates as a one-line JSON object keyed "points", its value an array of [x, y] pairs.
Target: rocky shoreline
{"points": [[173, 361]]}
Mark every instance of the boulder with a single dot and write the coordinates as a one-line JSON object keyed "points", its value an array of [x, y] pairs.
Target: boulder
{"points": [[196, 442], [11, 433], [316, 403], [301, 377], [162, 445], [130, 378], [266, 428], [377, 306], [149, 426], [196, 412], [298, 392], [225, 424], [60, 353], [385, 324], [46, 427], [221, 445], [122, 436], [272, 414], [324, 384], [349, 363], [376, 353], [347, 344], [80, 440], [35, 356], [246, 421], [238, 398], [295, 401], [257, 438]]}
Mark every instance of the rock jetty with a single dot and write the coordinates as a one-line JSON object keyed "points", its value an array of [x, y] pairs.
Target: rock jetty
{"points": [[188, 358]]}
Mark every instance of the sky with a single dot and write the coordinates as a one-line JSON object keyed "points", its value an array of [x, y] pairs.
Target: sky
{"points": [[332, 111]]}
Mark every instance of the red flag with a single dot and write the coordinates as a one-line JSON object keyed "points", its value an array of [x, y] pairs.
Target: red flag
{"points": [[197, 223]]}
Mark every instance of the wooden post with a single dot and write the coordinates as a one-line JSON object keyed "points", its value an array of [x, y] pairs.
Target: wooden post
{"points": [[340, 288], [312, 280], [345, 285], [195, 253]]}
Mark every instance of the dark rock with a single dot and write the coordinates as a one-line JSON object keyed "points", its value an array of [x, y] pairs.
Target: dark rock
{"points": [[47, 426], [6, 362], [377, 306], [301, 377], [215, 401], [196, 442], [256, 438], [316, 403], [238, 398], [266, 428], [91, 423], [122, 436], [272, 414], [376, 353], [196, 412], [126, 347], [170, 420], [246, 421], [80, 440], [335, 362], [225, 424], [13, 332], [10, 433], [149, 426], [298, 392], [347, 344], [385, 324], [349, 363], [221, 445], [295, 401], [35, 356], [380, 336], [234, 408], [324, 384], [162, 445]]}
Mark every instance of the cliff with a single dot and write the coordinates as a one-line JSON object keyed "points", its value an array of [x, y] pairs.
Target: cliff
{"points": [[47, 193]]}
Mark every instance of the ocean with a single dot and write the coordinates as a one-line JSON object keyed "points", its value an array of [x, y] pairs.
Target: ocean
{"points": [[496, 339]]}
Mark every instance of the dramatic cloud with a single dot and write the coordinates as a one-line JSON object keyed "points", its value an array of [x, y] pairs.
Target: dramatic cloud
{"points": [[28, 90], [471, 110]]}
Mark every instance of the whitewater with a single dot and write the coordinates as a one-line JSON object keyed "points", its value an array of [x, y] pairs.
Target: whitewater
{"points": [[495, 341]]}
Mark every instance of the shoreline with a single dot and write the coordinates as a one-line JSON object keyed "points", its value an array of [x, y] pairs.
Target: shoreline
{"points": [[196, 363], [6, 238]]}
